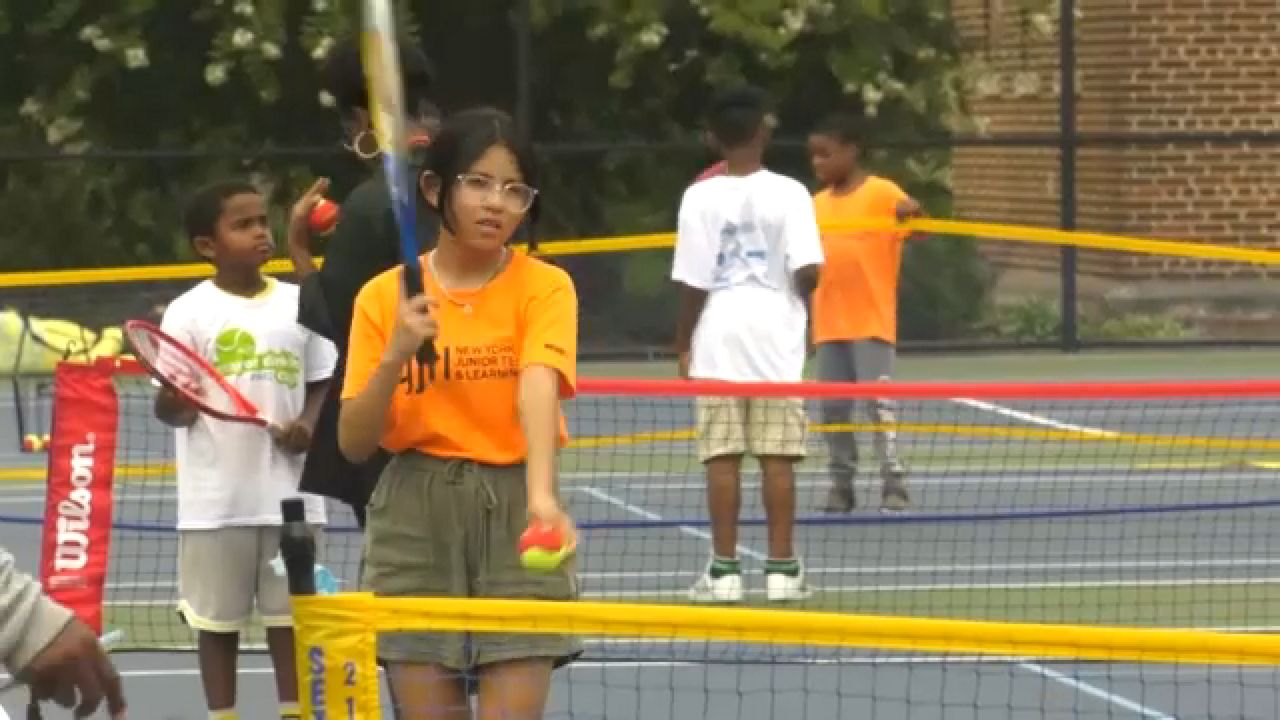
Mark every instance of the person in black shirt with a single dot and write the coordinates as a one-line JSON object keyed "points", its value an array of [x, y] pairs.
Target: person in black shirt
{"points": [[364, 244]]}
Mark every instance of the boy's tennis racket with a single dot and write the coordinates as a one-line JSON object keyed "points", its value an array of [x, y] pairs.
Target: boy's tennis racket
{"points": [[180, 369], [381, 53]]}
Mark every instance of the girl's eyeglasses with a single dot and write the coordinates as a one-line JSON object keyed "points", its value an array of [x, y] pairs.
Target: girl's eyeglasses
{"points": [[516, 197]]}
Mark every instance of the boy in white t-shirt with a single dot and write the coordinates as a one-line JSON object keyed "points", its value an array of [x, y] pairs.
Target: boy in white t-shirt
{"points": [[748, 254], [232, 476]]}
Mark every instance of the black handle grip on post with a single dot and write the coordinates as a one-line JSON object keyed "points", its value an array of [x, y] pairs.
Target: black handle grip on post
{"points": [[298, 547]]}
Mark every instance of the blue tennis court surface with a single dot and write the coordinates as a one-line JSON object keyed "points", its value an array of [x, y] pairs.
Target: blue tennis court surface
{"points": [[926, 690], [1002, 528], [1210, 568]]}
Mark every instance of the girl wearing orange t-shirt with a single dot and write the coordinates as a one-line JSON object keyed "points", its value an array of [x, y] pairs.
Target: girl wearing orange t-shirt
{"points": [[855, 307], [474, 436]]}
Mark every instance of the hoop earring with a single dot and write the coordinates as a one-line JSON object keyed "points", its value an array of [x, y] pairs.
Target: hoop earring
{"points": [[360, 152]]}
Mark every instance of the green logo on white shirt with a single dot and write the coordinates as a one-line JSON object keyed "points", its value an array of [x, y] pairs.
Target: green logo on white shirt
{"points": [[235, 352]]}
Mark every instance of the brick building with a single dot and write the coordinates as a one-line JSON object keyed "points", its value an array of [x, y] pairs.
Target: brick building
{"points": [[1143, 66]]}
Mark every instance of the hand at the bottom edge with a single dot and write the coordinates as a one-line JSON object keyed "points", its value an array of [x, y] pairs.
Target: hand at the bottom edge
{"points": [[75, 672], [549, 512]]}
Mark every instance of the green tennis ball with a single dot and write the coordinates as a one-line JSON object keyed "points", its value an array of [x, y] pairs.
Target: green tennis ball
{"points": [[543, 560]]}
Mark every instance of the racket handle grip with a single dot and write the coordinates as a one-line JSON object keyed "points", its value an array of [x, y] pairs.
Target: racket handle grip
{"points": [[298, 546]]}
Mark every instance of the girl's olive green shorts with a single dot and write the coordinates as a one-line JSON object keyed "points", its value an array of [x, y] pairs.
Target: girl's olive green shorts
{"points": [[449, 528]]}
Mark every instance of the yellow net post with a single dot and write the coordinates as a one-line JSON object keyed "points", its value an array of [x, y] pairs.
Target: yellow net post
{"points": [[337, 658], [334, 636]]}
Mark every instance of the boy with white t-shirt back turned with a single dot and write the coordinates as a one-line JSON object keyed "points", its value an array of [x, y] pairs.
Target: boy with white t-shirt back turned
{"points": [[232, 476], [747, 253]]}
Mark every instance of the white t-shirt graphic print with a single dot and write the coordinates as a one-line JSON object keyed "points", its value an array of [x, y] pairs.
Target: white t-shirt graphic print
{"points": [[741, 239], [233, 473]]}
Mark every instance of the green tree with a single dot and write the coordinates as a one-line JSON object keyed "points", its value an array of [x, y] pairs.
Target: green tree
{"points": [[194, 78], [645, 69], [239, 79]]}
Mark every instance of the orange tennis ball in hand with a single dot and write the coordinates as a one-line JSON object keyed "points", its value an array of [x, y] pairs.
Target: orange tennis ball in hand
{"points": [[324, 217], [542, 547]]}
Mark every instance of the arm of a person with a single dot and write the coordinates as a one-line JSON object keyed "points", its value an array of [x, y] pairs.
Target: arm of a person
{"points": [[370, 382], [692, 301], [548, 373], [299, 231], [321, 361], [299, 244], [539, 401], [29, 620], [804, 246], [693, 267], [295, 436], [316, 393], [374, 371], [363, 244], [905, 208], [363, 417], [171, 408], [804, 250]]}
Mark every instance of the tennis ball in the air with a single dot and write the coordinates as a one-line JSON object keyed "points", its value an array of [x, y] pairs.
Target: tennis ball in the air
{"points": [[542, 548], [323, 218]]}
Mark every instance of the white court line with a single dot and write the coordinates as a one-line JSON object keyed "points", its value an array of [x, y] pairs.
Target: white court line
{"points": [[980, 567], [1097, 692], [641, 481], [820, 662], [638, 511], [871, 660], [167, 585], [863, 589], [1030, 418], [22, 500], [118, 497], [1142, 672], [983, 477], [988, 481], [890, 570], [195, 672], [929, 587], [694, 473]]}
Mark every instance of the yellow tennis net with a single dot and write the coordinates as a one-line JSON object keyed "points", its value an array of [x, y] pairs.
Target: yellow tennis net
{"points": [[740, 648]]}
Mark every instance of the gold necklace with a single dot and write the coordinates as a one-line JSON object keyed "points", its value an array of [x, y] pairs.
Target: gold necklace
{"points": [[466, 306]]}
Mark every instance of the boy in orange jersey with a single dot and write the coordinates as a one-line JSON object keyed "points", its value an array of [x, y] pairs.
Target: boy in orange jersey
{"points": [[855, 307]]}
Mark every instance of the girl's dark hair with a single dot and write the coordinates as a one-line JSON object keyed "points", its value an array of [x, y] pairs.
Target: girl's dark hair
{"points": [[841, 126], [462, 140]]}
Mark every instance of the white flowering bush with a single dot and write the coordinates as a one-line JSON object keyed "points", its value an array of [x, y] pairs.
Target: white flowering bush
{"points": [[645, 68], [178, 76], [231, 75]]}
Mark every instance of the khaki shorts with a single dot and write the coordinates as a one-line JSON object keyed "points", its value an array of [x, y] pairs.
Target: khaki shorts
{"points": [[223, 573], [450, 528], [761, 427]]}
